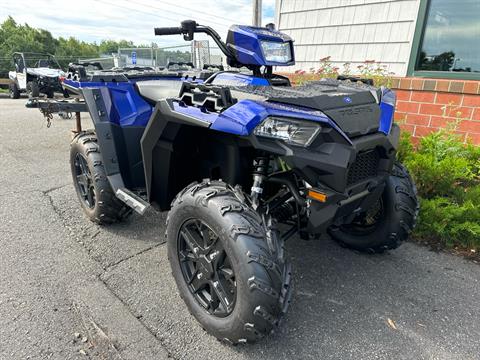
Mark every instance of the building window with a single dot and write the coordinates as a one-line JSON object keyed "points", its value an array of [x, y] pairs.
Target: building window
{"points": [[448, 39]]}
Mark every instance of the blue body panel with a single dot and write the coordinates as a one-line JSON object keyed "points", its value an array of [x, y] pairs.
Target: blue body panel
{"points": [[242, 118], [238, 79], [125, 106], [128, 108], [387, 109]]}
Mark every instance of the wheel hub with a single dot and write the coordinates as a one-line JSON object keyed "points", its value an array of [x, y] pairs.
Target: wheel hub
{"points": [[205, 267]]}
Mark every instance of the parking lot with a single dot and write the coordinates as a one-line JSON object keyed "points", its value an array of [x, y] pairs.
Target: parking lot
{"points": [[71, 289]]}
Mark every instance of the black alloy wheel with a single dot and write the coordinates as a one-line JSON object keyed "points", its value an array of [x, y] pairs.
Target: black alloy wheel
{"points": [[84, 181], [366, 222], [206, 268], [388, 222]]}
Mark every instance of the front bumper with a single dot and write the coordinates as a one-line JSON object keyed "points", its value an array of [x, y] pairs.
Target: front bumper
{"points": [[47, 84], [351, 175]]}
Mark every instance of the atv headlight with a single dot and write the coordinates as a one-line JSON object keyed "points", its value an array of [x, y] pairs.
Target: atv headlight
{"points": [[279, 52], [291, 131]]}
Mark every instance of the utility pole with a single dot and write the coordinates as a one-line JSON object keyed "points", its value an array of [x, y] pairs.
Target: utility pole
{"points": [[257, 13]]}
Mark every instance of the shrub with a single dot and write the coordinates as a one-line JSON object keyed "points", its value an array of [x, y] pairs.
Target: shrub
{"points": [[449, 222], [447, 174], [370, 69]]}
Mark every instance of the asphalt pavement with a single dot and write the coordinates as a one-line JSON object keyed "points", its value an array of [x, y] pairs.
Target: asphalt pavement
{"points": [[70, 289]]}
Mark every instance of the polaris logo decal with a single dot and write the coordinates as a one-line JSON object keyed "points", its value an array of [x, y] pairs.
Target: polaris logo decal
{"points": [[347, 99], [356, 111]]}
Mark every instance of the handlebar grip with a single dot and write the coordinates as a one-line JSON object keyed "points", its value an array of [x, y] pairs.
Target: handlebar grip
{"points": [[168, 31]]}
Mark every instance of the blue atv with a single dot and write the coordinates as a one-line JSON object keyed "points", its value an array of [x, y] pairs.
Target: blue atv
{"points": [[235, 156]]}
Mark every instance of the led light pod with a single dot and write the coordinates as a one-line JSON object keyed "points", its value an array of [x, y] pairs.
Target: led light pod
{"points": [[279, 52]]}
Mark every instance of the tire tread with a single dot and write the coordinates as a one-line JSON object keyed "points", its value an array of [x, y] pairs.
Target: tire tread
{"points": [[261, 235], [109, 209]]}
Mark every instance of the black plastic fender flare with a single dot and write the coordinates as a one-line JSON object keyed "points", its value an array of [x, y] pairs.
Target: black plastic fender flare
{"points": [[156, 133]]}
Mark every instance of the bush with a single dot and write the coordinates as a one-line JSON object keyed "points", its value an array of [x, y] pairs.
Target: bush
{"points": [[370, 69], [447, 174]]}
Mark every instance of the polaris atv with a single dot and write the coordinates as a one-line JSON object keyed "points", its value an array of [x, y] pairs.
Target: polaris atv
{"points": [[35, 74], [236, 158]]}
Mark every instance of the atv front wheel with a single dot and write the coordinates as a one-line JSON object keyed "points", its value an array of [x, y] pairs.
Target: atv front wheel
{"points": [[91, 184], [14, 92], [388, 222], [228, 262], [33, 90], [50, 94]]}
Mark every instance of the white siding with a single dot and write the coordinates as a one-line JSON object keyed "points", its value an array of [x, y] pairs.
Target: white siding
{"points": [[350, 31]]}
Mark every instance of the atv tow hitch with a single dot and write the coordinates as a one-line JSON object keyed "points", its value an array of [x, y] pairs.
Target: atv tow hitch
{"points": [[50, 107]]}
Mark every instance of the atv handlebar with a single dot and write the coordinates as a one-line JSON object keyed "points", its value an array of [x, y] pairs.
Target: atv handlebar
{"points": [[169, 31], [188, 28]]}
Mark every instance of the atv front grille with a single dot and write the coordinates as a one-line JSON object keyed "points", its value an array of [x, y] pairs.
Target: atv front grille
{"points": [[365, 166]]}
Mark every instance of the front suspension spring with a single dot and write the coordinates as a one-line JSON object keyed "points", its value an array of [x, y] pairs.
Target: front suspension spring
{"points": [[261, 165], [260, 172]]}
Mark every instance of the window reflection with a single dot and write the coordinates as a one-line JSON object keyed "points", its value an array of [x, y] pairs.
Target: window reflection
{"points": [[451, 40]]}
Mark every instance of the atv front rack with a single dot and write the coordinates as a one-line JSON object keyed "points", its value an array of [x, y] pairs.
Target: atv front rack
{"points": [[211, 97], [48, 107]]}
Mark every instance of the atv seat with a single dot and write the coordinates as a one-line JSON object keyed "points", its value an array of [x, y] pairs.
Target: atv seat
{"points": [[155, 90], [43, 63]]}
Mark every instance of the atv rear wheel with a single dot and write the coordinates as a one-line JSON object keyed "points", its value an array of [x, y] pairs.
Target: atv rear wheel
{"points": [[91, 184], [14, 92], [388, 222], [33, 90], [228, 262]]}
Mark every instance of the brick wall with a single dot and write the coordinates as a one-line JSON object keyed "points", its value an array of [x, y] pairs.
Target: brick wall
{"points": [[426, 105]]}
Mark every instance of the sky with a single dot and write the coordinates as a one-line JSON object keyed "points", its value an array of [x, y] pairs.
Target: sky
{"points": [[95, 20]]}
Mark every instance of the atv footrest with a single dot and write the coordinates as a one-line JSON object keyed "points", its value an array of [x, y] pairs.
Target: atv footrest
{"points": [[132, 200]]}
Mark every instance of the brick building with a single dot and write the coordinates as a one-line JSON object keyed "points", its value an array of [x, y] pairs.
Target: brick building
{"points": [[432, 47]]}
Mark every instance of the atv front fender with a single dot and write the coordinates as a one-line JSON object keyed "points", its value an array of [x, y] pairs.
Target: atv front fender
{"points": [[161, 131]]}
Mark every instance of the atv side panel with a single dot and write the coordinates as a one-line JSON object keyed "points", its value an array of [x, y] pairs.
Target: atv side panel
{"points": [[120, 146]]}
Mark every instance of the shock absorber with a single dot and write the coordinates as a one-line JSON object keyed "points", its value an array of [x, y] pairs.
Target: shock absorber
{"points": [[260, 173]]}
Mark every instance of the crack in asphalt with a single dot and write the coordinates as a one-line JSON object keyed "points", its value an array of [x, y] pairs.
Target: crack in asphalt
{"points": [[139, 317], [59, 213], [133, 255], [29, 191], [49, 190]]}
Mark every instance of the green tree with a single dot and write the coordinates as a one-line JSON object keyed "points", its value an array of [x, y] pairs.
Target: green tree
{"points": [[111, 46], [15, 37]]}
